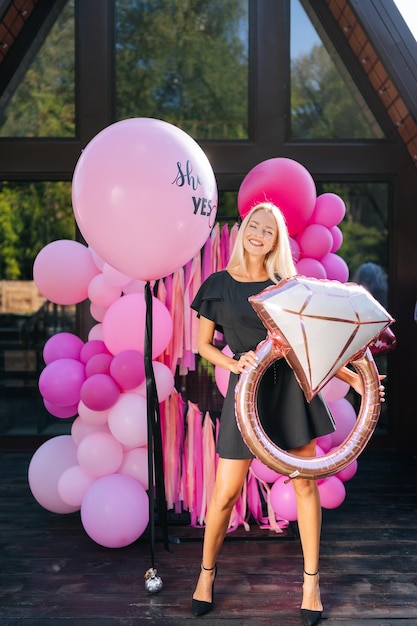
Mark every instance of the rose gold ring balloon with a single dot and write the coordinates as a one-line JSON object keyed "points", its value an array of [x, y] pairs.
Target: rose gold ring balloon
{"points": [[288, 464], [318, 326]]}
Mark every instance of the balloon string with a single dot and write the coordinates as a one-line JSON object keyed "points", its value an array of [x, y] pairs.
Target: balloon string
{"points": [[154, 437]]}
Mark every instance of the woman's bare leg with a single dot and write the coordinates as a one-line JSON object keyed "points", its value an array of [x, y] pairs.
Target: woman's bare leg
{"points": [[230, 477], [309, 524]]}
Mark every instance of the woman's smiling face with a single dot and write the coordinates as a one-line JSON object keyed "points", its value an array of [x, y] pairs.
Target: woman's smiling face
{"points": [[260, 235]]}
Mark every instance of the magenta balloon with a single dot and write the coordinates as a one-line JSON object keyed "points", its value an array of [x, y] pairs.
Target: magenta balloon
{"points": [[329, 210], [92, 347], [62, 346], [332, 492], [124, 325], [312, 268], [46, 467], [348, 472], [144, 197], [295, 249], [263, 472], [60, 382], [128, 369], [337, 236], [283, 500], [336, 267], [286, 183], [99, 392], [98, 364], [61, 411], [115, 511], [63, 270], [315, 241]]}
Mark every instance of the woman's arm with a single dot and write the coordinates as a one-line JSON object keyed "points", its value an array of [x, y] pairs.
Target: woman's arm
{"points": [[206, 330], [355, 381]]}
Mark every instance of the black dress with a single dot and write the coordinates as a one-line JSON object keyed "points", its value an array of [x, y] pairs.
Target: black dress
{"points": [[286, 416]]}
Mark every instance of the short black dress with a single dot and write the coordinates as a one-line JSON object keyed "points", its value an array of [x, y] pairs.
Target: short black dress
{"points": [[286, 416]]}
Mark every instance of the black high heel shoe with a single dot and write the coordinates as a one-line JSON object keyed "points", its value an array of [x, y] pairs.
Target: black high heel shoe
{"points": [[308, 617], [201, 607]]}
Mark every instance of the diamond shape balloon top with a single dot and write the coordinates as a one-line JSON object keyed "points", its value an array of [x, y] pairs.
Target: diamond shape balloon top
{"points": [[319, 325]]}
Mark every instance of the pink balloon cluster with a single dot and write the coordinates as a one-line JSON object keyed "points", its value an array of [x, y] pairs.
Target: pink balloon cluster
{"points": [[312, 221]]}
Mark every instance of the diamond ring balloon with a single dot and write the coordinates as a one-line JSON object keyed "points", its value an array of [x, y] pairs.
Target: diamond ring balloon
{"points": [[318, 326]]}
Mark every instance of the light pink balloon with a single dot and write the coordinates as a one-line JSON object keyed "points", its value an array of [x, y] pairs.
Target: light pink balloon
{"points": [[315, 241], [89, 416], [46, 467], [286, 183], [99, 392], [332, 492], [329, 210], [97, 312], [335, 389], [114, 277], [135, 286], [336, 268], [96, 333], [164, 381], [128, 420], [99, 453], [115, 511], [263, 472], [92, 347], [124, 325], [98, 364], [144, 196], [62, 346], [102, 293], [73, 485], [312, 268], [222, 375], [128, 369], [337, 238], [283, 499], [325, 442], [81, 429], [345, 417], [61, 411], [60, 382], [135, 464], [63, 270]]}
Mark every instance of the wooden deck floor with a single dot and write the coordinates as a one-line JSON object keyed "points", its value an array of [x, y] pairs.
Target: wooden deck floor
{"points": [[52, 574]]}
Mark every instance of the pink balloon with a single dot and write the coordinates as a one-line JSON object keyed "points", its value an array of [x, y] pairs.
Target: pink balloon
{"points": [[222, 375], [128, 369], [81, 429], [92, 347], [138, 176], [73, 485], [100, 392], [102, 293], [46, 467], [96, 333], [295, 249], [62, 346], [135, 286], [336, 268], [335, 389], [312, 268], [349, 472], [61, 411], [98, 364], [337, 238], [115, 511], [114, 277], [263, 472], [332, 492], [97, 312], [128, 420], [124, 325], [63, 270], [325, 442], [164, 380], [315, 241], [92, 417], [345, 417], [283, 500], [329, 210], [135, 464], [99, 453], [286, 183], [60, 382]]}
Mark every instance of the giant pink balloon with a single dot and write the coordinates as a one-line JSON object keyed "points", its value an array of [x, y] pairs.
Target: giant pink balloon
{"points": [[63, 270], [286, 183], [124, 325], [144, 197]]}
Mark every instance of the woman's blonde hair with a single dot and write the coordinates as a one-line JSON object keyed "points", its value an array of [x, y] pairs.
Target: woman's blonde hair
{"points": [[278, 262]]}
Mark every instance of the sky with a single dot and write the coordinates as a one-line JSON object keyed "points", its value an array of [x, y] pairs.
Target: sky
{"points": [[408, 9]]}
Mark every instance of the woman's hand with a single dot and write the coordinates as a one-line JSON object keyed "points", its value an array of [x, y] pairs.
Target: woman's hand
{"points": [[357, 384], [245, 361]]}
